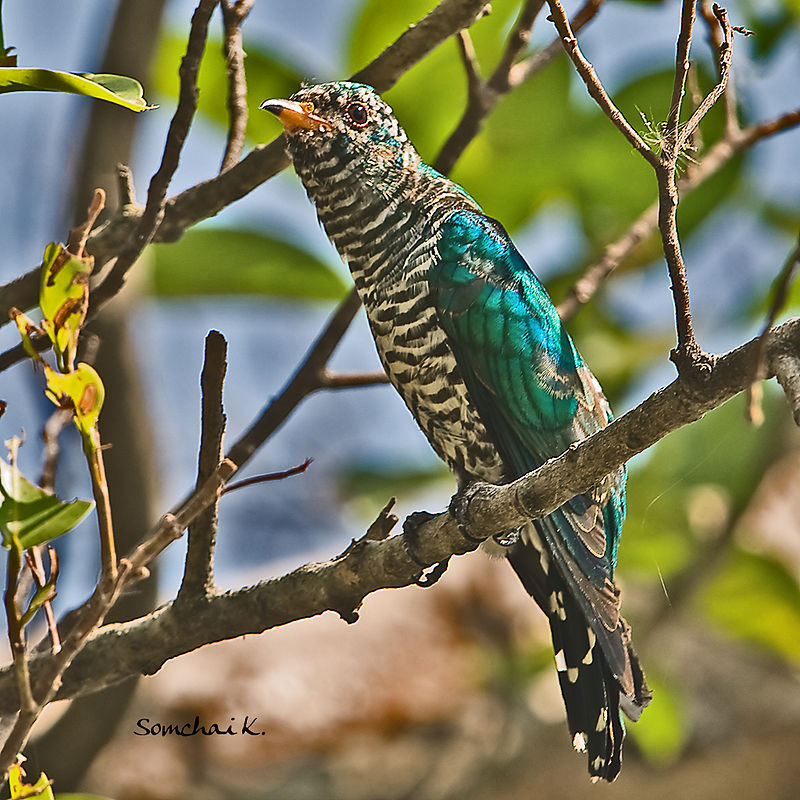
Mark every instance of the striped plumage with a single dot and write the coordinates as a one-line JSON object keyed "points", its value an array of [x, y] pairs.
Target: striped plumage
{"points": [[471, 341]]}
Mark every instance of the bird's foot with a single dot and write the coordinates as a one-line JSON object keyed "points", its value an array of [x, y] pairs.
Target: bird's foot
{"points": [[459, 510], [430, 572]]}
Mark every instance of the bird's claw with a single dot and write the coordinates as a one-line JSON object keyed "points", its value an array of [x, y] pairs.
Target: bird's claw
{"points": [[430, 572], [459, 510]]}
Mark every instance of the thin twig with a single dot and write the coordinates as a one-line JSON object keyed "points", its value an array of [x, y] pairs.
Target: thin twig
{"points": [[593, 85], [516, 44], [333, 380], [176, 136], [233, 14], [76, 242], [34, 559], [717, 157], [725, 58], [483, 96], [58, 420], [682, 65], [198, 572], [716, 40], [779, 297], [16, 633], [528, 67], [267, 478]]}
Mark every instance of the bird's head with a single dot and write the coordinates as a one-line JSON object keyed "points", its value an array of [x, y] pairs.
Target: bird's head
{"points": [[342, 120]]}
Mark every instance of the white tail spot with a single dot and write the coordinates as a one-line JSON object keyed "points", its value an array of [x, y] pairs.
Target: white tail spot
{"points": [[561, 662], [579, 741], [572, 674]]}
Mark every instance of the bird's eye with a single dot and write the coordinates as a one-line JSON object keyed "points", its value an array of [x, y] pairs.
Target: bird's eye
{"points": [[357, 114]]}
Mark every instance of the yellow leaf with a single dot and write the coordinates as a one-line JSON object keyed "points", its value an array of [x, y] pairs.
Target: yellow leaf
{"points": [[19, 789], [26, 327], [64, 299], [81, 390]]}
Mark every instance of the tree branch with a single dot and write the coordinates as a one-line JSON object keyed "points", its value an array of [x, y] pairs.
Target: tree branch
{"points": [[208, 198], [176, 136], [593, 85], [233, 14], [779, 297], [142, 646], [198, 570], [483, 96], [696, 174]]}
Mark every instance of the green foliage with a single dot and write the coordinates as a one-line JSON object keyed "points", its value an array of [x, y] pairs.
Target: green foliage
{"points": [[116, 89], [688, 486], [226, 261], [371, 485], [29, 516], [661, 732], [756, 599], [267, 76]]}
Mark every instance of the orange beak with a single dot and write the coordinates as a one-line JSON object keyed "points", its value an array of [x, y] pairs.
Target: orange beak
{"points": [[295, 115]]}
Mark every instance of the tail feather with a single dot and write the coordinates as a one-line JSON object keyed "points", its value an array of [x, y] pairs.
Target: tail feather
{"points": [[592, 693]]}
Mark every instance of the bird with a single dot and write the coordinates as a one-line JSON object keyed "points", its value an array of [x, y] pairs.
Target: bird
{"points": [[471, 341]]}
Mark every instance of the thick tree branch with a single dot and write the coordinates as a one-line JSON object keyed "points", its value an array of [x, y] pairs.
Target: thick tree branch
{"points": [[142, 646]]}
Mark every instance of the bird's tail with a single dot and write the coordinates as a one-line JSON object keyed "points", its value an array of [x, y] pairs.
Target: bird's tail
{"points": [[593, 694]]}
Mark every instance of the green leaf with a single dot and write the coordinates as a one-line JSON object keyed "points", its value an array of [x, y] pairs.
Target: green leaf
{"points": [[661, 733], [116, 89], [225, 261], [31, 516], [267, 76], [370, 484], [81, 796], [756, 599], [688, 485]]}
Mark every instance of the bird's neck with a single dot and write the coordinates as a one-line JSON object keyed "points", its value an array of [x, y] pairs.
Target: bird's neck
{"points": [[379, 212]]}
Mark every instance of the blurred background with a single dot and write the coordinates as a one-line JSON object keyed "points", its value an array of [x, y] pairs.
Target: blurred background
{"points": [[448, 692]]}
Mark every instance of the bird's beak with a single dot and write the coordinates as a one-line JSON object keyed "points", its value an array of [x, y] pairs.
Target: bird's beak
{"points": [[295, 115]]}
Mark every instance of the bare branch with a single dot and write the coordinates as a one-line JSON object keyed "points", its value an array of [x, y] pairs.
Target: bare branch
{"points": [[516, 44], [528, 67], [593, 85], [233, 14], [716, 40], [176, 136], [716, 158], [725, 57], [268, 478], [682, 65], [329, 380], [779, 297], [198, 573], [483, 96]]}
